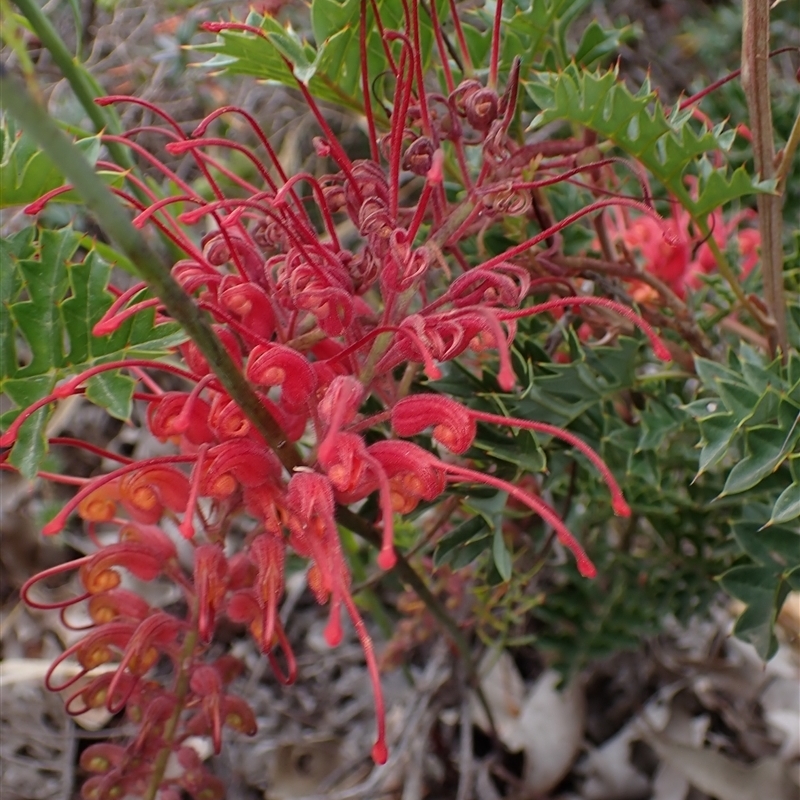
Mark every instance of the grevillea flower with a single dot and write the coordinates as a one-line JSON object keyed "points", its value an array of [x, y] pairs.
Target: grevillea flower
{"points": [[669, 251], [333, 337]]}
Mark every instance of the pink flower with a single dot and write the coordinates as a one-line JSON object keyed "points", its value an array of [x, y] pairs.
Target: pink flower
{"points": [[669, 251]]}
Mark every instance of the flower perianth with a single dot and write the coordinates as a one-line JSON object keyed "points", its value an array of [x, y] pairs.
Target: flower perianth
{"points": [[279, 365], [453, 425], [211, 586], [268, 553], [313, 534]]}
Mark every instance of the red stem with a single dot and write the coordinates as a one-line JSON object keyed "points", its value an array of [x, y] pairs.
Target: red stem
{"points": [[495, 57], [659, 348], [618, 501], [365, 87], [548, 514]]}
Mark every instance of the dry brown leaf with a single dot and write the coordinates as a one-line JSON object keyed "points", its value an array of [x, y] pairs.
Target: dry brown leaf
{"points": [[33, 670], [720, 776], [504, 691], [609, 773], [543, 722], [550, 732]]}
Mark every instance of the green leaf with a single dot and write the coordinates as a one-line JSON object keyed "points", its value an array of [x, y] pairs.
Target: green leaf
{"points": [[502, 557], [772, 547], [51, 303], [527, 454], [710, 372], [597, 43], [756, 625], [738, 399], [717, 433], [751, 584], [639, 125], [787, 506], [761, 589], [31, 444], [113, 392], [767, 447], [463, 532], [332, 69], [26, 173], [470, 551], [657, 422]]}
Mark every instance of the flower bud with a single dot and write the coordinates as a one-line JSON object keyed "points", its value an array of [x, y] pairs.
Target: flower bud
{"points": [[481, 109], [418, 157]]}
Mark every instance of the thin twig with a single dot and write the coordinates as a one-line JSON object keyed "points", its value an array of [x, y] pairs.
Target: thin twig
{"points": [[755, 81], [782, 171], [466, 778]]}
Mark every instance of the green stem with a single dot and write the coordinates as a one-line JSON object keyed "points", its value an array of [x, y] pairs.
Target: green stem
{"points": [[407, 573], [171, 726], [726, 271], [113, 219], [755, 81]]}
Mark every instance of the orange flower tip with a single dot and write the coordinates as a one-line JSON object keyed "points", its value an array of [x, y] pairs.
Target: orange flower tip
{"points": [[433, 373], [621, 508], [661, 351], [53, 527], [387, 558], [333, 631], [34, 208], [586, 568], [379, 752]]}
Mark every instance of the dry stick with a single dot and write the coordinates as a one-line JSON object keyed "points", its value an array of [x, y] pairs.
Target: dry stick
{"points": [[113, 219], [466, 777], [755, 81]]}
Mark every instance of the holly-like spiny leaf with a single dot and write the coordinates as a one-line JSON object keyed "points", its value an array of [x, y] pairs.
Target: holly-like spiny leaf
{"points": [[52, 296], [664, 142]]}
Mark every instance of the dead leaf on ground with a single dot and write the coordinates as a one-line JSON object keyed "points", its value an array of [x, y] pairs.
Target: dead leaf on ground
{"points": [[543, 722]]}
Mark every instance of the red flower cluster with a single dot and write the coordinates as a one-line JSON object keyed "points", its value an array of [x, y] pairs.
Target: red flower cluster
{"points": [[332, 338]]}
